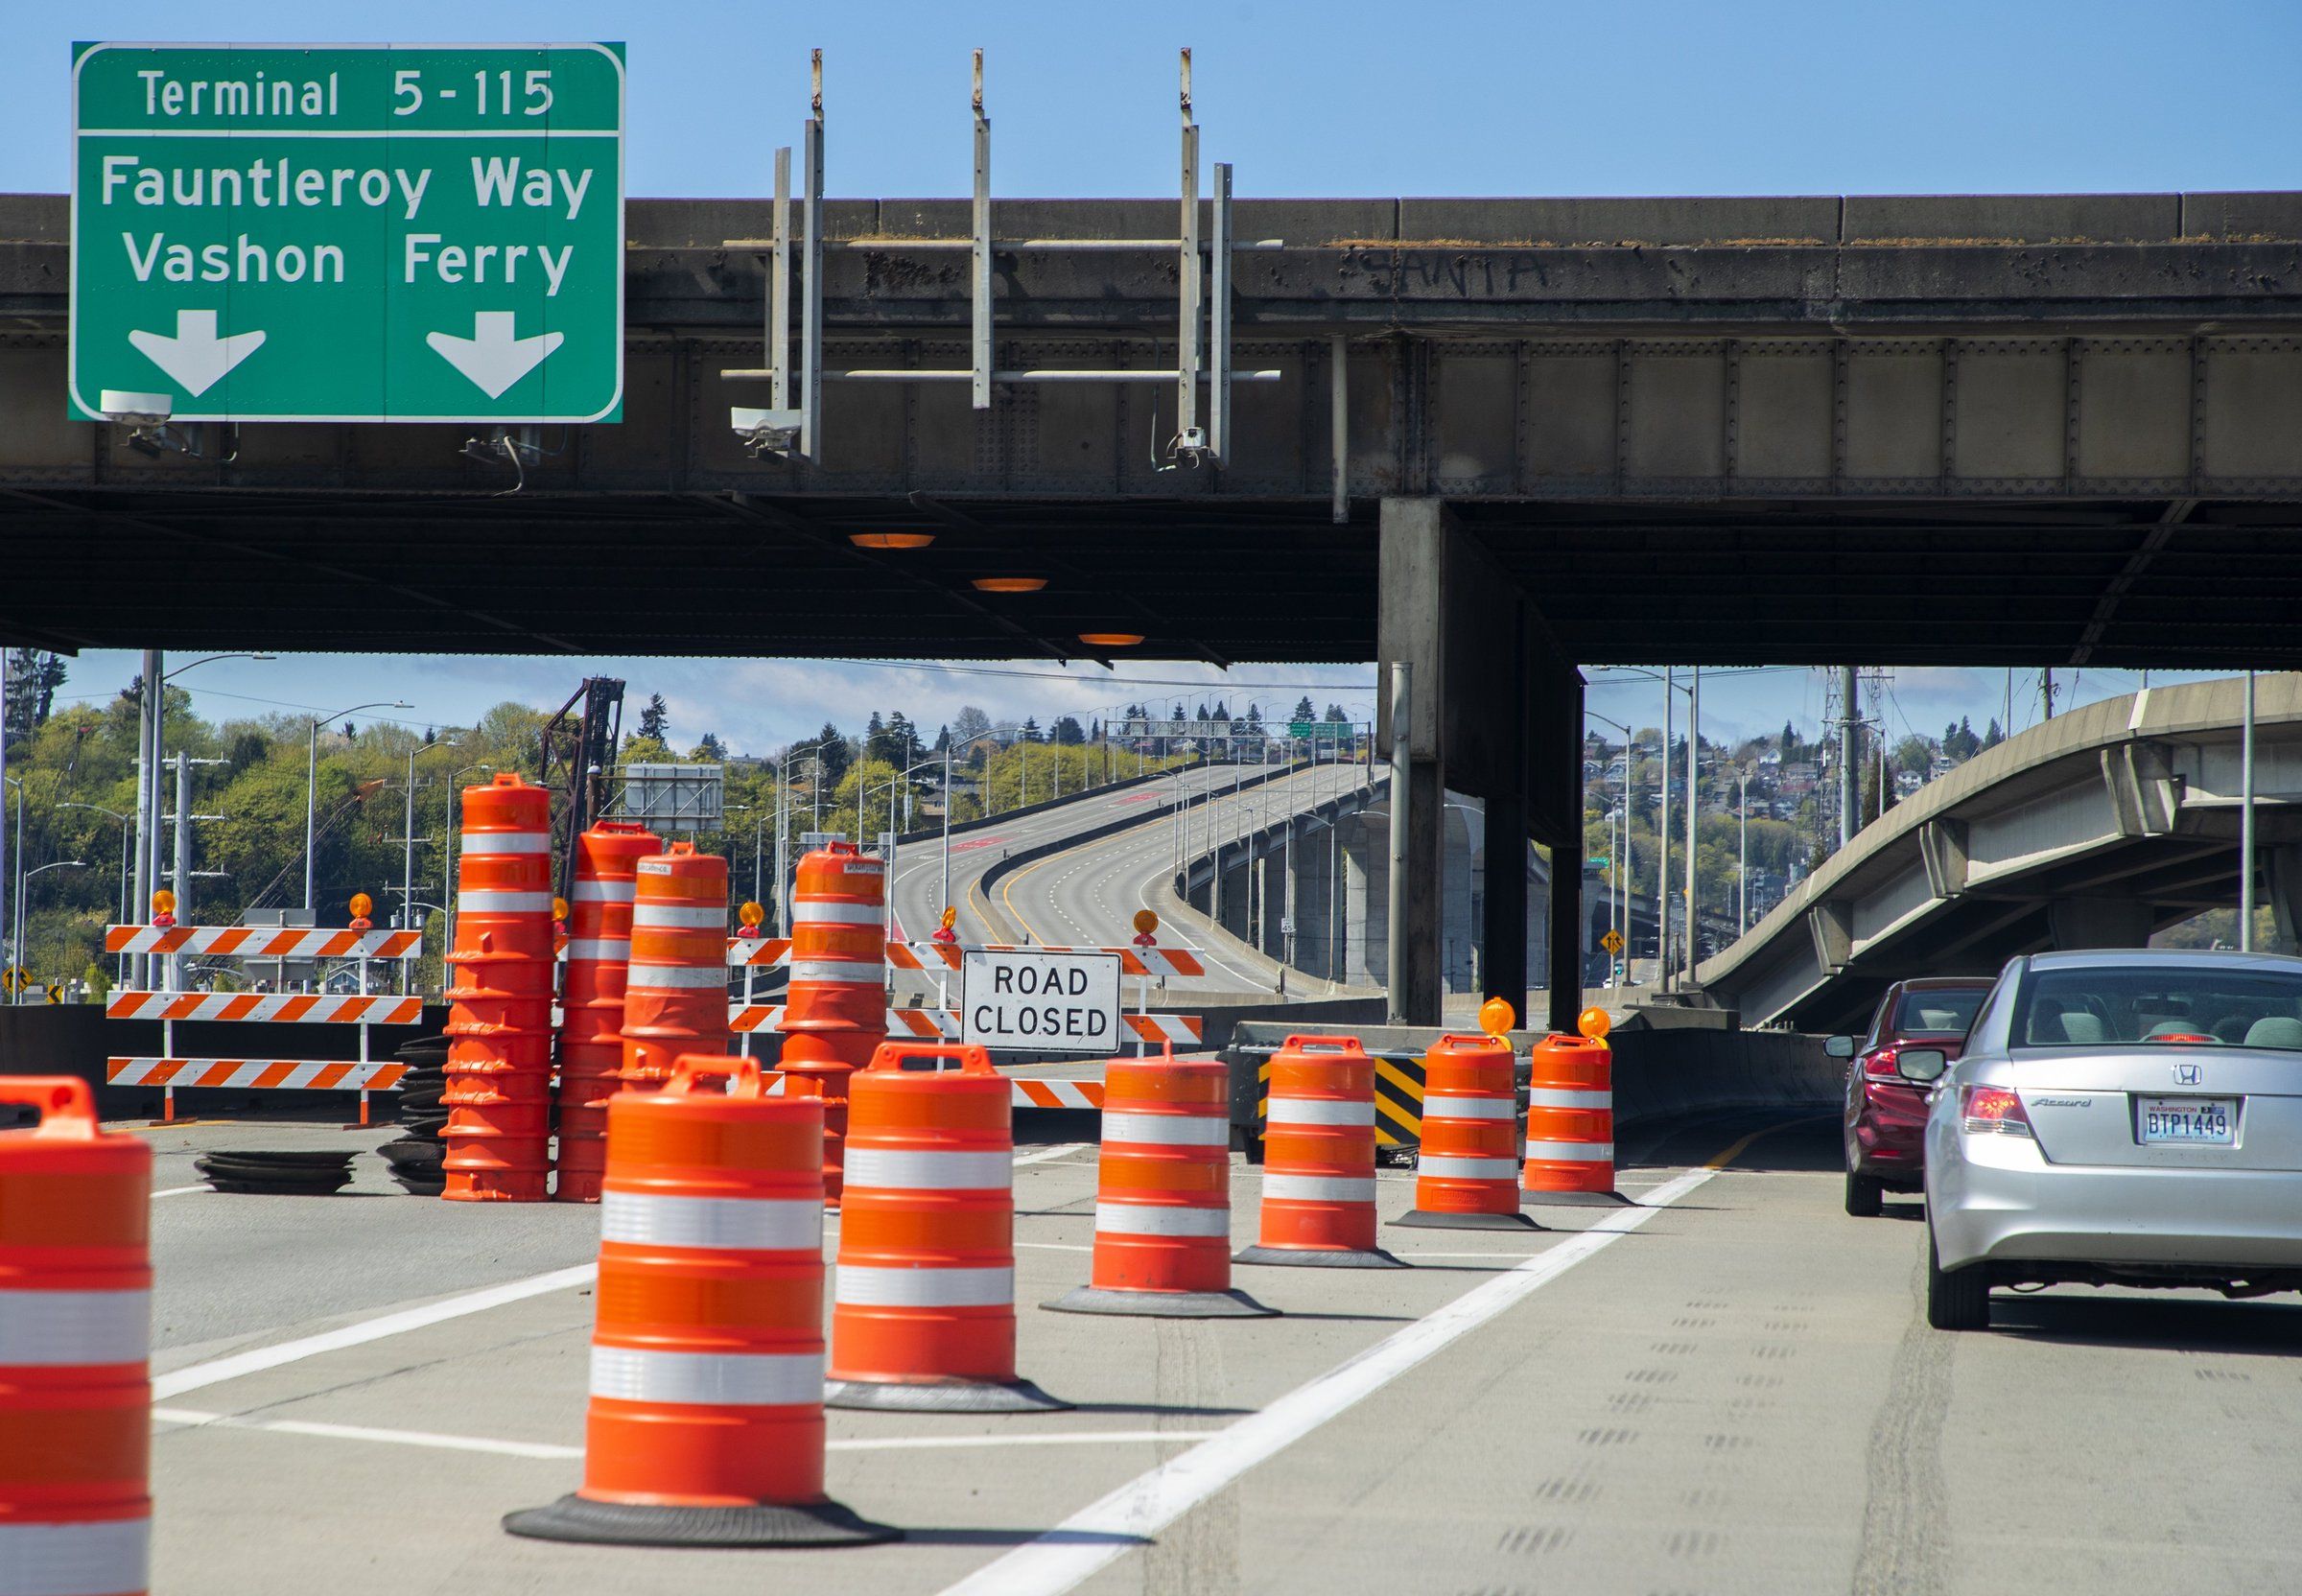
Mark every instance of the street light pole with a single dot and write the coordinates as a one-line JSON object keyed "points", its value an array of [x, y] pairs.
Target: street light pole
{"points": [[23, 893], [312, 783], [2246, 827], [1694, 815]]}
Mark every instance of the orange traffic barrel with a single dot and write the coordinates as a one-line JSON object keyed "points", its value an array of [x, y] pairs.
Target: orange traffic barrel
{"points": [[1319, 1158], [1466, 1170], [1570, 1123], [75, 1340], [675, 986], [1162, 1195], [835, 1012], [499, 1065], [705, 1426], [922, 1300], [591, 1027]]}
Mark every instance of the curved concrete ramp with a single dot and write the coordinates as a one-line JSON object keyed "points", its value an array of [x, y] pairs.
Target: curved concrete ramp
{"points": [[2093, 830]]}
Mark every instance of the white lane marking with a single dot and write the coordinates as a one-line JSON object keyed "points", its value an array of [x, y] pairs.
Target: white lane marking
{"points": [[179, 1192], [215, 1371], [1097, 1535], [1059, 1246], [195, 1419], [1061, 1149]]}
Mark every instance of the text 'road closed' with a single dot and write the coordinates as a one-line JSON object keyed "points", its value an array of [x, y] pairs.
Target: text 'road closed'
{"points": [[1040, 1001]]}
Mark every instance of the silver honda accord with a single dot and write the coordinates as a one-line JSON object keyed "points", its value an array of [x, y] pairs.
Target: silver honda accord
{"points": [[2127, 1117]]}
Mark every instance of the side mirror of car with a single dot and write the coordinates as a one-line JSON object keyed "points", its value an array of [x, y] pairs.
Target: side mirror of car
{"points": [[1923, 1065], [1840, 1046]]}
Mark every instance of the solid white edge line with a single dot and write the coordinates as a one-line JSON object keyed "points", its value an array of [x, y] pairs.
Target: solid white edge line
{"points": [[1099, 1534], [215, 1371], [179, 1192], [196, 1418]]}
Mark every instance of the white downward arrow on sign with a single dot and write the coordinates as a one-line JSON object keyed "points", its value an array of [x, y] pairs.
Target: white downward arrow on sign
{"points": [[196, 359], [492, 357]]}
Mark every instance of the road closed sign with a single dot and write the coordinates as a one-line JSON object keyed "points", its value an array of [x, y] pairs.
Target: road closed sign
{"points": [[340, 232], [1038, 1002]]}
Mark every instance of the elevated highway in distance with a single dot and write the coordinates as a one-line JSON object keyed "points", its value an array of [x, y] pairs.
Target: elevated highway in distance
{"points": [[1087, 895], [2093, 830]]}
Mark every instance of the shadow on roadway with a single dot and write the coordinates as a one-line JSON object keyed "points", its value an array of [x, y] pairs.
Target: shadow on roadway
{"points": [[1802, 1139], [2081, 1319]]}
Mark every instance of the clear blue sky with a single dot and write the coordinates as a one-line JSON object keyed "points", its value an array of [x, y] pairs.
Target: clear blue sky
{"points": [[1306, 100]]}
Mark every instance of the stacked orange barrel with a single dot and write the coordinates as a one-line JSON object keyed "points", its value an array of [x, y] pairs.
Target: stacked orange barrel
{"points": [[591, 997], [1570, 1118], [675, 987], [1319, 1158], [1467, 1172], [706, 1419], [499, 1066], [836, 1015], [1162, 1195], [923, 1314], [75, 1337]]}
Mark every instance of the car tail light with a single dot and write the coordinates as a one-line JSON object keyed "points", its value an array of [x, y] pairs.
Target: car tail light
{"points": [[1880, 1066], [1993, 1108]]}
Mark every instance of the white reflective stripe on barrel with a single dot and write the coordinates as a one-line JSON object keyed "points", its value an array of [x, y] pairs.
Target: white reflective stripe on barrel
{"points": [[613, 949], [808, 911], [1546, 1097], [1572, 1152], [1467, 1170], [658, 978], [649, 915], [1161, 1219], [835, 972], [1322, 1111], [98, 1558], [745, 1379], [900, 1169], [1441, 1105], [759, 1224], [505, 843], [1319, 1188], [605, 892], [481, 901], [872, 1286], [72, 1328], [1168, 1130]]}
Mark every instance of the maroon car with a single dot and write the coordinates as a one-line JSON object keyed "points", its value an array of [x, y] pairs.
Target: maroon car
{"points": [[1886, 1114]]}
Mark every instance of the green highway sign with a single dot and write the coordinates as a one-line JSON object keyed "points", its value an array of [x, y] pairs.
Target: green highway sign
{"points": [[327, 232], [1330, 731]]}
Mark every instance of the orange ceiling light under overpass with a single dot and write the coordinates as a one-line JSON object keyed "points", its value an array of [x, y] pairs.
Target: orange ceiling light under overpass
{"points": [[1111, 640], [1009, 584], [891, 540]]}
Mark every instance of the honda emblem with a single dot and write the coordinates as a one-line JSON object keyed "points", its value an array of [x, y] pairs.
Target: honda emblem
{"points": [[2187, 1074]]}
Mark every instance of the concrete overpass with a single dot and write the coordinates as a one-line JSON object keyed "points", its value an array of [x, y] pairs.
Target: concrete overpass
{"points": [[2093, 830], [1508, 437]]}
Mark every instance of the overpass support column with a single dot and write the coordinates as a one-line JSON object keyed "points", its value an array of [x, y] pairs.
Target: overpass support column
{"points": [[2098, 922], [1495, 713]]}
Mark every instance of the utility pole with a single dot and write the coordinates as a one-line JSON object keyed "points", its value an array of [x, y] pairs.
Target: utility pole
{"points": [[1662, 837], [1850, 785], [2046, 695], [1694, 812], [148, 806]]}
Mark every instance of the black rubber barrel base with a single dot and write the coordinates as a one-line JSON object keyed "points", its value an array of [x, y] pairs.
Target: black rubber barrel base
{"points": [[1423, 1220], [1319, 1257], [1576, 1200], [941, 1397], [578, 1518], [1161, 1305]]}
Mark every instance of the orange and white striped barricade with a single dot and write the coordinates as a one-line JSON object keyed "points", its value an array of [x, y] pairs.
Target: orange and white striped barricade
{"points": [[835, 1008], [922, 1300], [1466, 1170], [75, 1340], [1318, 1207], [591, 1002], [499, 1065], [1570, 1124], [705, 1426], [1162, 1196], [675, 986]]}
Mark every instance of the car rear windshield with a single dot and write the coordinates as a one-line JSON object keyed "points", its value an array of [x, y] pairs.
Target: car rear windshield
{"points": [[1938, 1011], [2152, 1004]]}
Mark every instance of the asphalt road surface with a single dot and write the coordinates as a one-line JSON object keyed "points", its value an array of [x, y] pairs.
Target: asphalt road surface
{"points": [[1729, 1388], [1088, 896]]}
